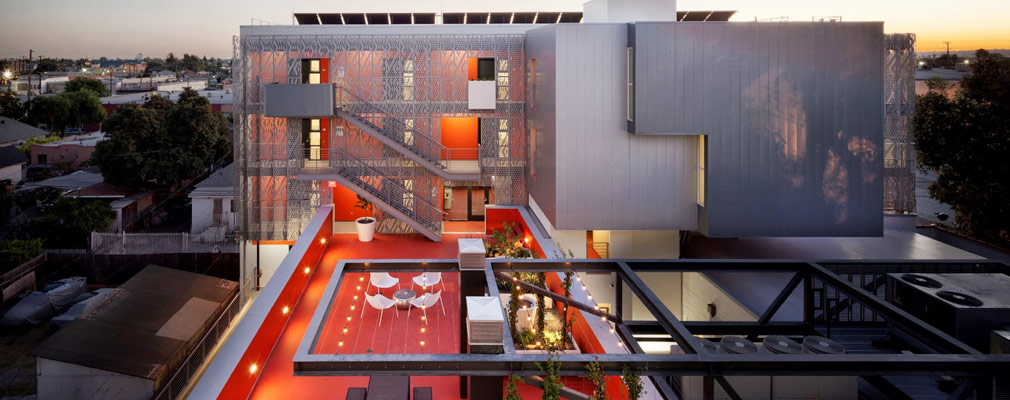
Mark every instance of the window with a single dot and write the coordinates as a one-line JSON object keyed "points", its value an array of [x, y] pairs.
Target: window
{"points": [[217, 211], [41, 158], [408, 195], [311, 139], [485, 69], [408, 132], [533, 152], [631, 83], [503, 80], [408, 80], [533, 83], [503, 138], [701, 170], [312, 71]]}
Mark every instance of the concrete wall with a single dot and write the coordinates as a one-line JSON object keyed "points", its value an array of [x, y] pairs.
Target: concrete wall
{"points": [[644, 244], [793, 113], [203, 214], [699, 291], [71, 153], [59, 380], [645, 183], [628, 11]]}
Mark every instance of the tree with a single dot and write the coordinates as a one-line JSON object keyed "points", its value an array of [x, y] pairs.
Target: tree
{"points": [[966, 140], [14, 252], [171, 62], [51, 110], [68, 222], [85, 107], [10, 106], [162, 141], [93, 85]]}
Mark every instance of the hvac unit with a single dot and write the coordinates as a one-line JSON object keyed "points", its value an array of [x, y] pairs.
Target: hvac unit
{"points": [[748, 387], [485, 325], [471, 254], [965, 306]]}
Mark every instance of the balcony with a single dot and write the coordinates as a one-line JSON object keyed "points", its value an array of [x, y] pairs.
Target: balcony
{"points": [[298, 101]]}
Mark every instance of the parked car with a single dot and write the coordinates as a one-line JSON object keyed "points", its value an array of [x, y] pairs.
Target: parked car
{"points": [[73, 131], [39, 172]]}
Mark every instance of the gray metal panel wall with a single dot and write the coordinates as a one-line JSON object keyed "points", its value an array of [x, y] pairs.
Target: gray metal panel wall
{"points": [[540, 114], [310, 100], [794, 114], [607, 178]]}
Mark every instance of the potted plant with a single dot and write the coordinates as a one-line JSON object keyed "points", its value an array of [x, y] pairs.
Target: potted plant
{"points": [[366, 224]]}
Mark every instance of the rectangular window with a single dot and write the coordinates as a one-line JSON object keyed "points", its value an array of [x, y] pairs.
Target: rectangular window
{"points": [[312, 71], [485, 69], [533, 83], [41, 158], [312, 139], [408, 80], [503, 80], [408, 196], [503, 138], [701, 170], [631, 83], [408, 132]]}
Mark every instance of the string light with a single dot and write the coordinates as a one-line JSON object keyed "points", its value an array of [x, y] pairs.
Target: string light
{"points": [[252, 369], [306, 270], [285, 310]]}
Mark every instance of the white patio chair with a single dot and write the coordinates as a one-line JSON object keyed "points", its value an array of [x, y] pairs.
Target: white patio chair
{"points": [[378, 302], [430, 279], [426, 300], [381, 280]]}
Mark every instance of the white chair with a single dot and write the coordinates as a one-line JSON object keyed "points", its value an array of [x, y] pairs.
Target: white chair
{"points": [[424, 301], [381, 280], [378, 302], [430, 279]]}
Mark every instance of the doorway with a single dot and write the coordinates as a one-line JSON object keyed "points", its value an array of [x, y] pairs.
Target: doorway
{"points": [[466, 203]]}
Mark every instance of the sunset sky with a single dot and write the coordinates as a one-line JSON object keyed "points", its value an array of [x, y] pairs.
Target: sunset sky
{"points": [[123, 28]]}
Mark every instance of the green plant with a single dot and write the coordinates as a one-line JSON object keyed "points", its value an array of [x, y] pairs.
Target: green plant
{"points": [[598, 380], [507, 242], [541, 280], [552, 378], [632, 382], [513, 310], [512, 388], [526, 338], [565, 320], [365, 205]]}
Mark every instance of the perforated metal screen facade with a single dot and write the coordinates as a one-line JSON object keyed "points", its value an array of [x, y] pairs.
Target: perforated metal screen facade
{"points": [[415, 80], [899, 139]]}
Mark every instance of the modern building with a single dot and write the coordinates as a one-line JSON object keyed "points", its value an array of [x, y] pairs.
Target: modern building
{"points": [[609, 133], [626, 124]]}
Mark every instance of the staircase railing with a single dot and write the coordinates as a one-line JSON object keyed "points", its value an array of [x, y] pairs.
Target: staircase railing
{"points": [[421, 144], [390, 190]]}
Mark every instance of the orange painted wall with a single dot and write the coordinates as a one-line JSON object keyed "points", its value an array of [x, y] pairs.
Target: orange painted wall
{"points": [[460, 133], [324, 138], [343, 204], [471, 69], [324, 70], [241, 382]]}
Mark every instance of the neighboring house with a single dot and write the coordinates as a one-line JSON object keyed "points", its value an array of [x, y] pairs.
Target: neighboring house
{"points": [[129, 343], [131, 205], [212, 212], [13, 132], [951, 77], [12, 163], [72, 150]]}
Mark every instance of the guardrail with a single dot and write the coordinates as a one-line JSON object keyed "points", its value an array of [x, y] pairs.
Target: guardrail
{"points": [[176, 385], [159, 243]]}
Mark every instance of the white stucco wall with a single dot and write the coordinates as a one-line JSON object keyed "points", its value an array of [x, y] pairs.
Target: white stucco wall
{"points": [[12, 172]]}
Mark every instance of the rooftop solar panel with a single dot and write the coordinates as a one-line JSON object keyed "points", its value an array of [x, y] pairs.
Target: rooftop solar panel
{"points": [[306, 19]]}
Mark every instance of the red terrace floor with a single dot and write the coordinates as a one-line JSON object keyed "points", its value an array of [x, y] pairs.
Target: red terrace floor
{"points": [[400, 332], [276, 380]]}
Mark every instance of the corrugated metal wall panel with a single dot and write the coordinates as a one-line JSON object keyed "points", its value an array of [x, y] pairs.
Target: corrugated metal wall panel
{"points": [[540, 47]]}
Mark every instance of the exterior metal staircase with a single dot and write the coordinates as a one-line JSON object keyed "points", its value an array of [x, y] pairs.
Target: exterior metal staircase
{"points": [[388, 194], [408, 141]]}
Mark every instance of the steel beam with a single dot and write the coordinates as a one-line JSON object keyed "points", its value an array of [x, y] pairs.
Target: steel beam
{"points": [[778, 302], [723, 328], [655, 306], [557, 297]]}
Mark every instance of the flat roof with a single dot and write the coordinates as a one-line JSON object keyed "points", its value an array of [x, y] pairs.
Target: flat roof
{"points": [[219, 96], [147, 329]]}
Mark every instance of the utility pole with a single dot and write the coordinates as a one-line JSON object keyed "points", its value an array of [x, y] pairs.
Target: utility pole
{"points": [[948, 48], [29, 76]]}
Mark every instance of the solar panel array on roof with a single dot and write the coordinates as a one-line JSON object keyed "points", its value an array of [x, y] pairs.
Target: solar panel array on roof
{"points": [[536, 17], [704, 16]]}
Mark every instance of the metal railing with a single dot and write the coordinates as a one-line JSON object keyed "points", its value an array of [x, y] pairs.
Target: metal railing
{"points": [[159, 243], [390, 190], [418, 142], [174, 387]]}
